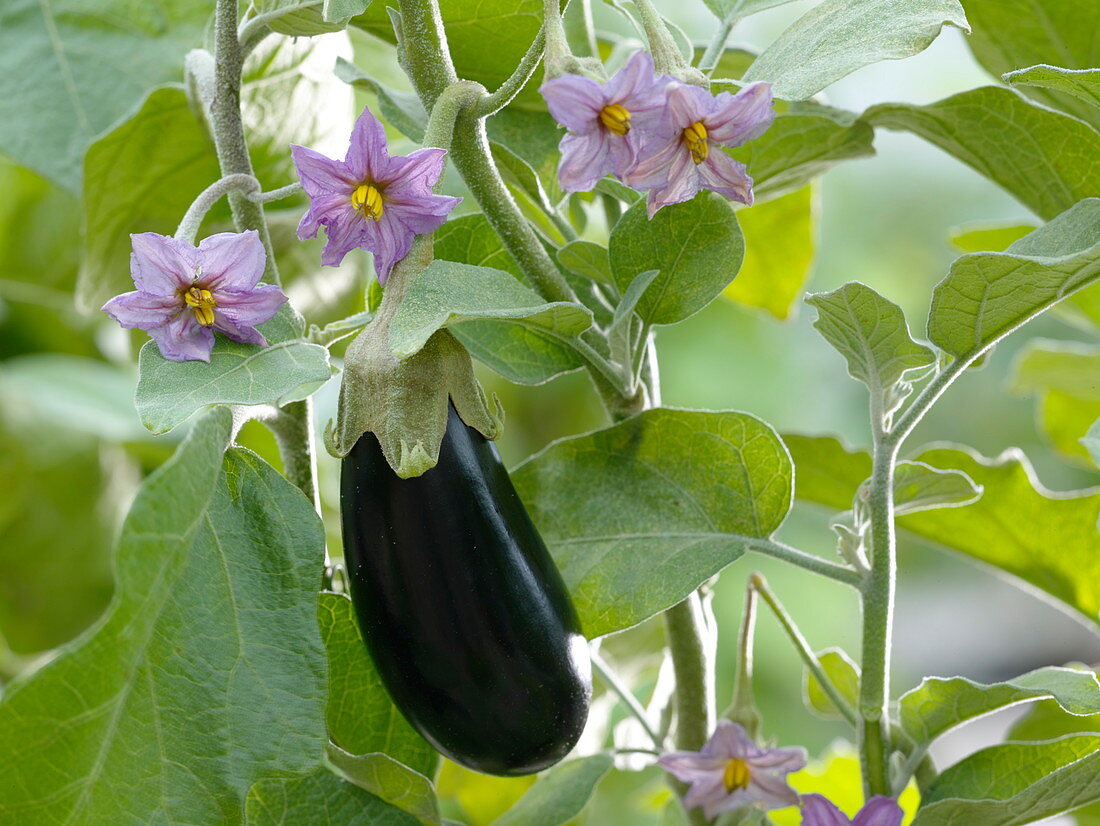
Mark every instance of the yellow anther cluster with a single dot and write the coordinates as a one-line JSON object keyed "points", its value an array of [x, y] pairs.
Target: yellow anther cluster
{"points": [[615, 118], [737, 775], [367, 201], [202, 304], [695, 138]]}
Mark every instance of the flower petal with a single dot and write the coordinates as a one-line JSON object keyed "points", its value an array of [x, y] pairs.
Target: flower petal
{"points": [[707, 793], [737, 119], [232, 260], [729, 740], [686, 105], [879, 811], [817, 810], [367, 158], [325, 210], [249, 308], [184, 339], [575, 102], [584, 160], [692, 766], [635, 77], [416, 172], [654, 161], [142, 311], [238, 332], [420, 215], [344, 234], [722, 174], [161, 265], [390, 241], [321, 175], [683, 182]]}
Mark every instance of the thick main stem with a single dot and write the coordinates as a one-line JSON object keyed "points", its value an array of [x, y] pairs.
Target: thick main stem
{"points": [[878, 611]]}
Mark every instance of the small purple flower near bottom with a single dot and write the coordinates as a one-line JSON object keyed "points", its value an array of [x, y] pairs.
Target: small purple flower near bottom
{"points": [[818, 810], [732, 771], [371, 200], [684, 153], [184, 293]]}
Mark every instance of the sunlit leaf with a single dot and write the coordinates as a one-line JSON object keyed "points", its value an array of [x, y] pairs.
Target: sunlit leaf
{"points": [[301, 800], [842, 673], [390, 780], [559, 795]]}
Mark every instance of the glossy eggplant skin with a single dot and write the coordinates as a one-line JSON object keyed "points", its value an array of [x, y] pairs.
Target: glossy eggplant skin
{"points": [[465, 616]]}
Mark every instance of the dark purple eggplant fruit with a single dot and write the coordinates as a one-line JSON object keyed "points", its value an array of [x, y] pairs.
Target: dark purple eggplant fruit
{"points": [[466, 618]]}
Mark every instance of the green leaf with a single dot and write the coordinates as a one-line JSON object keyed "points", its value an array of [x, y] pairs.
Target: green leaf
{"points": [[301, 18], [169, 392], [1068, 366], [1083, 84], [469, 239], [918, 487], [872, 335], [391, 781], [834, 39], [360, 715], [983, 237], [207, 671], [638, 515], [301, 800], [1046, 539], [1012, 34], [697, 246], [587, 260], [1046, 160], [986, 296], [843, 673], [559, 795], [139, 178], [51, 114], [447, 292], [938, 705], [774, 273], [736, 9], [1091, 441], [622, 325], [401, 110], [1015, 783], [800, 147]]}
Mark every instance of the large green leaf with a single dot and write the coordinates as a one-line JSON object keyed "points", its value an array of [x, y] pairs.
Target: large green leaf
{"points": [[800, 147], [559, 795], [1013, 34], [169, 392], [447, 292], [360, 715], [837, 37], [735, 9], [987, 295], [1046, 539], [141, 177], [938, 705], [919, 486], [205, 674], [390, 780], [1046, 160], [639, 514], [1015, 783], [319, 798], [1067, 366], [696, 246], [469, 239], [1083, 84], [873, 336], [773, 275], [71, 69]]}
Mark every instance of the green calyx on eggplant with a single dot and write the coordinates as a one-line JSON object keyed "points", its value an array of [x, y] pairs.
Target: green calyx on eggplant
{"points": [[466, 618]]}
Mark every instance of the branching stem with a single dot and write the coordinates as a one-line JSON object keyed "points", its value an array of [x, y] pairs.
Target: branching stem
{"points": [[630, 702]]}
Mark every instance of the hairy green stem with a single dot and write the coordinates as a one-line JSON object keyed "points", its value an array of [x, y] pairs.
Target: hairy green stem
{"points": [[192, 219], [742, 708], [809, 562], [294, 435], [760, 585], [631, 703], [507, 91], [709, 61]]}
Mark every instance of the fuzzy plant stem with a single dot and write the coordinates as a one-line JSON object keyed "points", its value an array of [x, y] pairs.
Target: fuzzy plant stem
{"points": [[294, 428]]}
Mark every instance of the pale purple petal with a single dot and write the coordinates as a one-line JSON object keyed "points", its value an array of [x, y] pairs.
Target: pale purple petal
{"points": [[140, 310], [419, 215], [184, 339], [321, 176], [249, 308], [575, 102], [737, 119], [708, 792], [325, 210], [686, 105], [584, 160], [238, 332], [683, 182], [367, 158], [729, 740], [232, 260], [879, 811], [390, 241], [634, 78], [722, 174], [692, 766], [343, 231], [818, 810], [654, 162], [778, 760], [418, 171], [161, 265], [771, 789]]}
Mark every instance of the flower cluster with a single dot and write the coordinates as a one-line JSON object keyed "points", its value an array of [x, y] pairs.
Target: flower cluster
{"points": [[732, 772], [656, 134], [184, 293]]}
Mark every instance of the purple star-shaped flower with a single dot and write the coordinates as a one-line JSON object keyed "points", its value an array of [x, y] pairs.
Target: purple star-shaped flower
{"points": [[732, 771], [606, 123], [879, 811], [370, 199], [184, 293], [683, 153]]}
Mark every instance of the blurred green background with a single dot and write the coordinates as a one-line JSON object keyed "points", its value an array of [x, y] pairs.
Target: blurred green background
{"points": [[72, 450]]}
